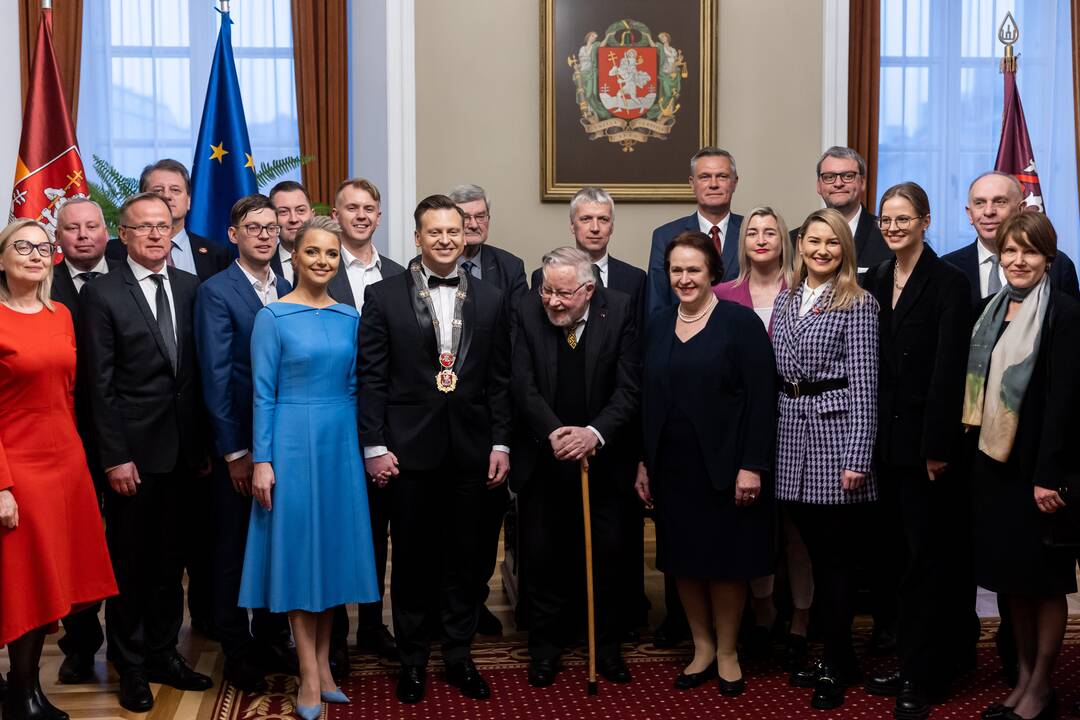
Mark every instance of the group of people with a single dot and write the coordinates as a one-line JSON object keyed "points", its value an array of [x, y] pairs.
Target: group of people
{"points": [[838, 400]]}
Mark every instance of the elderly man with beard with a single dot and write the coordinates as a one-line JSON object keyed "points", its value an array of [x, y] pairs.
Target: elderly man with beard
{"points": [[576, 387]]}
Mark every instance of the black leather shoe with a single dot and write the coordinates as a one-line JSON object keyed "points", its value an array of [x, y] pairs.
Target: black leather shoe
{"points": [[175, 672], [614, 670], [487, 623], [759, 644], [76, 669], [245, 675], [666, 636], [995, 711], [542, 672], [732, 688], [689, 681], [378, 641], [465, 677], [883, 684], [830, 686], [911, 703], [339, 663], [795, 654], [24, 700], [410, 684], [135, 692], [806, 676]]}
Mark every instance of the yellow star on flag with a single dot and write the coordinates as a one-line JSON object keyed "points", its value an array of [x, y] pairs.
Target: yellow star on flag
{"points": [[250, 162], [218, 151]]}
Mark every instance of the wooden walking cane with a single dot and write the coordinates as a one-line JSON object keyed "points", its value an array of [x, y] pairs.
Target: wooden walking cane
{"points": [[592, 686]]}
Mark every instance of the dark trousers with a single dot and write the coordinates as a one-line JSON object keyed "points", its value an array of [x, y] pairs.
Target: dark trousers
{"points": [[198, 548], [232, 511], [923, 528], [433, 583], [492, 511], [553, 536], [632, 557], [369, 615], [838, 538], [145, 533], [83, 635]]}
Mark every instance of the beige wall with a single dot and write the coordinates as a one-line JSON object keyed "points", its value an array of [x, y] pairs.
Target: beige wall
{"points": [[474, 54]]}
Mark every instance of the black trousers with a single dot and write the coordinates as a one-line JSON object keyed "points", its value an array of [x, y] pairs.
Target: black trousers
{"points": [[146, 533], [239, 640], [553, 538], [492, 511], [839, 539], [369, 615], [434, 526], [198, 548], [632, 556], [83, 635]]}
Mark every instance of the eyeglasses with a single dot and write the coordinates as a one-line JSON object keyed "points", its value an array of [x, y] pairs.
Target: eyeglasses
{"points": [[144, 229], [478, 218], [547, 292], [254, 230], [846, 177], [25, 247], [902, 222]]}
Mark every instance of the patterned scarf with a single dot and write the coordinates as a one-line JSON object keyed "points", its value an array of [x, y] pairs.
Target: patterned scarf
{"points": [[999, 370]]}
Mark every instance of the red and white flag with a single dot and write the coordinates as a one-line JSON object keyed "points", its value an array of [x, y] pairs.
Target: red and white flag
{"points": [[1014, 151]]}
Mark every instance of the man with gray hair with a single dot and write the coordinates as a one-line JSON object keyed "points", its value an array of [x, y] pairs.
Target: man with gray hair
{"points": [[505, 271], [576, 383]]}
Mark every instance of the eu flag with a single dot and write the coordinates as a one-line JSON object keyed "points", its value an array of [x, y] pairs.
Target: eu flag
{"points": [[223, 170]]}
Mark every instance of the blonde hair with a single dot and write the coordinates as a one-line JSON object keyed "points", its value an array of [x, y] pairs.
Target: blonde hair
{"points": [[785, 243], [44, 289], [845, 290]]}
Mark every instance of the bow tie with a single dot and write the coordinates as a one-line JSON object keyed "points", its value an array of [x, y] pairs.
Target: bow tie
{"points": [[434, 281]]}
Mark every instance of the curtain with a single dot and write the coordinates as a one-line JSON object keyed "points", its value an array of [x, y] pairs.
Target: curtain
{"points": [[1074, 23], [864, 70], [67, 41], [320, 52]]}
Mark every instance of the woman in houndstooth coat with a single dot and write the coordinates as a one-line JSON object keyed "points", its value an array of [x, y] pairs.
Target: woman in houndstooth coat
{"points": [[825, 336]]}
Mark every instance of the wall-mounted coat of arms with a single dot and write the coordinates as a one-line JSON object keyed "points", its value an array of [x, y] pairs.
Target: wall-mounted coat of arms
{"points": [[628, 83]]}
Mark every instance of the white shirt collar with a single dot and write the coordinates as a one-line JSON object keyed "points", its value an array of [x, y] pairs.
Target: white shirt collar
{"points": [[853, 223], [349, 259], [984, 254], [141, 273], [602, 263], [428, 271], [811, 296], [284, 253], [705, 225], [264, 282], [182, 241], [101, 267]]}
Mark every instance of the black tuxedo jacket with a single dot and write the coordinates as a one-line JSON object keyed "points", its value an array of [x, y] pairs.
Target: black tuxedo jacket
{"points": [[400, 406], [505, 271], [142, 410], [622, 276], [63, 288], [924, 343], [340, 289], [1062, 272], [210, 257], [870, 247], [612, 384]]}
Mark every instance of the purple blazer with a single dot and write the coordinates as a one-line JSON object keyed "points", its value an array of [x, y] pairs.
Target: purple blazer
{"points": [[740, 294]]}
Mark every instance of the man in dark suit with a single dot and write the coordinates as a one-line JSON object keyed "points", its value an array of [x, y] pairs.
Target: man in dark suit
{"points": [[225, 310], [576, 387], [435, 426], [137, 339], [292, 203], [713, 178], [81, 234], [507, 272], [841, 182], [357, 208]]}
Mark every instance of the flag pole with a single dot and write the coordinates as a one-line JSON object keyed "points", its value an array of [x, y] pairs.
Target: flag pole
{"points": [[46, 4], [223, 5]]}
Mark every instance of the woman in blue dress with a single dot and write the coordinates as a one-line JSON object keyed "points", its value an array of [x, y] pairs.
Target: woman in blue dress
{"points": [[309, 541]]}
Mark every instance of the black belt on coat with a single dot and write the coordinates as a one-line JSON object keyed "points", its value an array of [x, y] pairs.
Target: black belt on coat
{"points": [[809, 388]]}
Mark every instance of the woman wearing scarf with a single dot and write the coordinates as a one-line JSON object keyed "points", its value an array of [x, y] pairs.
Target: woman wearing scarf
{"points": [[1021, 397]]}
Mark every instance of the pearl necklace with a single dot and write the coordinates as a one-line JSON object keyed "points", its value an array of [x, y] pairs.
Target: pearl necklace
{"points": [[694, 318]]}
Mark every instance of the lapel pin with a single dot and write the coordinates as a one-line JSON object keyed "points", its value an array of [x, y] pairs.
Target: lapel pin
{"points": [[203, 250]]}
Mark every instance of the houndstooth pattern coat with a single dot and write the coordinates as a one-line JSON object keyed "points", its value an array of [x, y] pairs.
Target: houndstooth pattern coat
{"points": [[819, 436]]}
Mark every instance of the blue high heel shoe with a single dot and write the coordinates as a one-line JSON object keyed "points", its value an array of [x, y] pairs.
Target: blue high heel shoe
{"points": [[335, 696], [309, 712]]}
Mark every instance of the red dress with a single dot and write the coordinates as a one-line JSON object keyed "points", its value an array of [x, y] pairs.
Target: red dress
{"points": [[55, 559]]}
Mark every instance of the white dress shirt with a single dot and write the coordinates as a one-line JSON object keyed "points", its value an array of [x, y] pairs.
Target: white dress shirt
{"points": [[705, 225], [149, 289], [602, 266], [361, 275], [77, 278], [810, 297], [182, 256], [985, 265], [287, 271]]}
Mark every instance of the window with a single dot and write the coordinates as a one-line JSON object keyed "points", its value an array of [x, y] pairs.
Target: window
{"points": [[941, 104], [145, 67]]}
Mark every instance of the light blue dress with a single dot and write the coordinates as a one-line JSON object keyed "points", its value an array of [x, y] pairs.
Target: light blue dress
{"points": [[312, 551]]}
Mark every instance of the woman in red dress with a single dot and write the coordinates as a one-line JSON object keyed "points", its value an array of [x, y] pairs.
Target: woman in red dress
{"points": [[52, 544]]}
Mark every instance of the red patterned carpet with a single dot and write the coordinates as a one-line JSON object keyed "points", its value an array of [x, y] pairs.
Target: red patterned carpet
{"points": [[768, 696]]}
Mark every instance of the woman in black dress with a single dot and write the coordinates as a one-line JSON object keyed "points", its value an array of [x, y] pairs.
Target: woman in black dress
{"points": [[1021, 397], [709, 406]]}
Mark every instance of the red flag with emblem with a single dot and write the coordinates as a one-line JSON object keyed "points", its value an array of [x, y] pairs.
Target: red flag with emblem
{"points": [[1014, 151], [49, 169]]}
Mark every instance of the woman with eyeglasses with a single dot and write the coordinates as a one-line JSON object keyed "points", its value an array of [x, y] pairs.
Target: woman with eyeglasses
{"points": [[53, 558], [709, 416], [923, 332]]}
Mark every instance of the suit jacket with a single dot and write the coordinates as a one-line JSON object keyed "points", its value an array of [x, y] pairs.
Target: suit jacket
{"points": [[659, 288], [210, 257], [734, 411], [63, 288], [740, 294], [622, 277], [1062, 271], [340, 289], [821, 435], [870, 247], [225, 308], [612, 385], [400, 406], [924, 343], [143, 411]]}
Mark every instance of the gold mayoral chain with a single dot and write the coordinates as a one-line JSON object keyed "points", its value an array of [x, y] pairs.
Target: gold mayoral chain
{"points": [[445, 379]]}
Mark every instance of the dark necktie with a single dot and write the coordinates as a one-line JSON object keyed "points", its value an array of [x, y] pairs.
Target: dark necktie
{"points": [[599, 275], [714, 233], [993, 283], [434, 281], [468, 266], [571, 337], [87, 277], [164, 318]]}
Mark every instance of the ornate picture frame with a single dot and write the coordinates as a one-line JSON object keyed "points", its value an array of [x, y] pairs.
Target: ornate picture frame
{"points": [[628, 95]]}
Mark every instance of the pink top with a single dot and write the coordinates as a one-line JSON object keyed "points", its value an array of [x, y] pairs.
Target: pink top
{"points": [[740, 294]]}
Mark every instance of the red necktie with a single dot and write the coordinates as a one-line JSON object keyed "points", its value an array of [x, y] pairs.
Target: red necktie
{"points": [[714, 233]]}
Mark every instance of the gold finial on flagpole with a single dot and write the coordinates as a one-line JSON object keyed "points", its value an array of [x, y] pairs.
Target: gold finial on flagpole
{"points": [[46, 4], [1008, 34], [223, 5]]}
